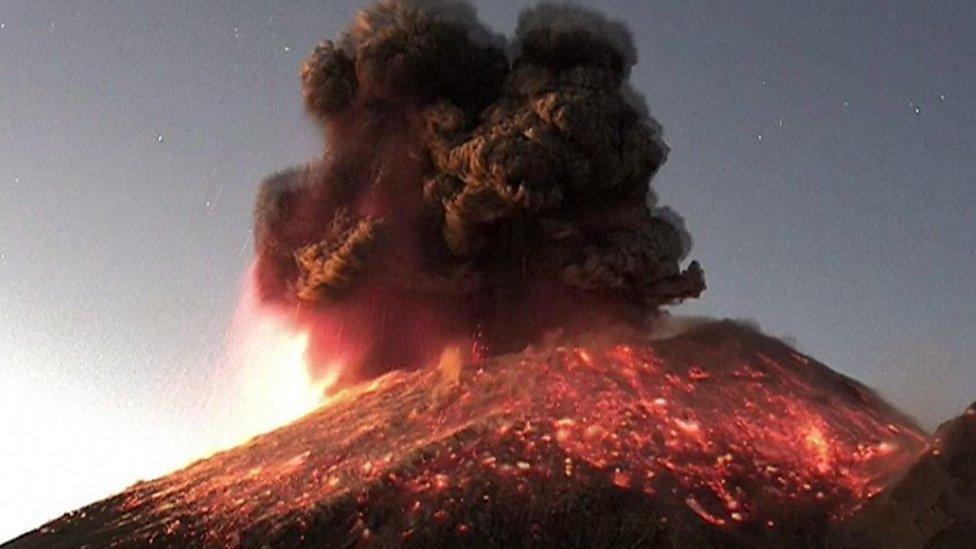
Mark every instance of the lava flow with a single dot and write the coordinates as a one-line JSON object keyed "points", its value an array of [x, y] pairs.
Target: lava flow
{"points": [[720, 430]]}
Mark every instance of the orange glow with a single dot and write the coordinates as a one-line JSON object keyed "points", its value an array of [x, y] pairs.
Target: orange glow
{"points": [[276, 385], [821, 450], [762, 438], [272, 379]]}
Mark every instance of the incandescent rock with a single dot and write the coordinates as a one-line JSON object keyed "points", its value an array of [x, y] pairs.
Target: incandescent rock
{"points": [[717, 436]]}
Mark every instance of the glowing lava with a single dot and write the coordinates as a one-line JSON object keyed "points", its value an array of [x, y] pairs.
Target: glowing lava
{"points": [[719, 433]]}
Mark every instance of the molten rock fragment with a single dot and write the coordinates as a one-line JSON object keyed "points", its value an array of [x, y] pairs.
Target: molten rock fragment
{"points": [[495, 191], [716, 437]]}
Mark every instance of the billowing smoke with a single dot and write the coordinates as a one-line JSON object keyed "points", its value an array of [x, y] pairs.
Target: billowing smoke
{"points": [[471, 189]]}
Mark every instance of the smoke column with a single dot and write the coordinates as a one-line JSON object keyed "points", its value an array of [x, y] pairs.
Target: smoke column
{"points": [[473, 190]]}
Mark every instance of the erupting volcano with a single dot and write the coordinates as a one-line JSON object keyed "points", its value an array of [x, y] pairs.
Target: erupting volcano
{"points": [[716, 436], [472, 192], [475, 270]]}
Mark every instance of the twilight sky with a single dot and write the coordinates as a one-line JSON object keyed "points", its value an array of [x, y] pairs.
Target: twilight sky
{"points": [[824, 158]]}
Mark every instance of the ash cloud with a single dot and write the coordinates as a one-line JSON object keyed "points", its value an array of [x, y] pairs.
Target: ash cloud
{"points": [[470, 188]]}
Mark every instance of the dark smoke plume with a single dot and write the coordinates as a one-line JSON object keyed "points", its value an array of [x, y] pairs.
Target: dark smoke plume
{"points": [[469, 188]]}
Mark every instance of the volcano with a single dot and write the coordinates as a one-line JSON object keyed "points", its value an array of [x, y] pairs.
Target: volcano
{"points": [[493, 193], [715, 436]]}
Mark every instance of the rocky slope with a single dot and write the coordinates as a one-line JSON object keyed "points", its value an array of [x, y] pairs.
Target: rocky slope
{"points": [[718, 436], [934, 505]]}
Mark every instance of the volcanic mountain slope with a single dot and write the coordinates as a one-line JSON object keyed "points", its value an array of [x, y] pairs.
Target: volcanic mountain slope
{"points": [[718, 436], [934, 505]]}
